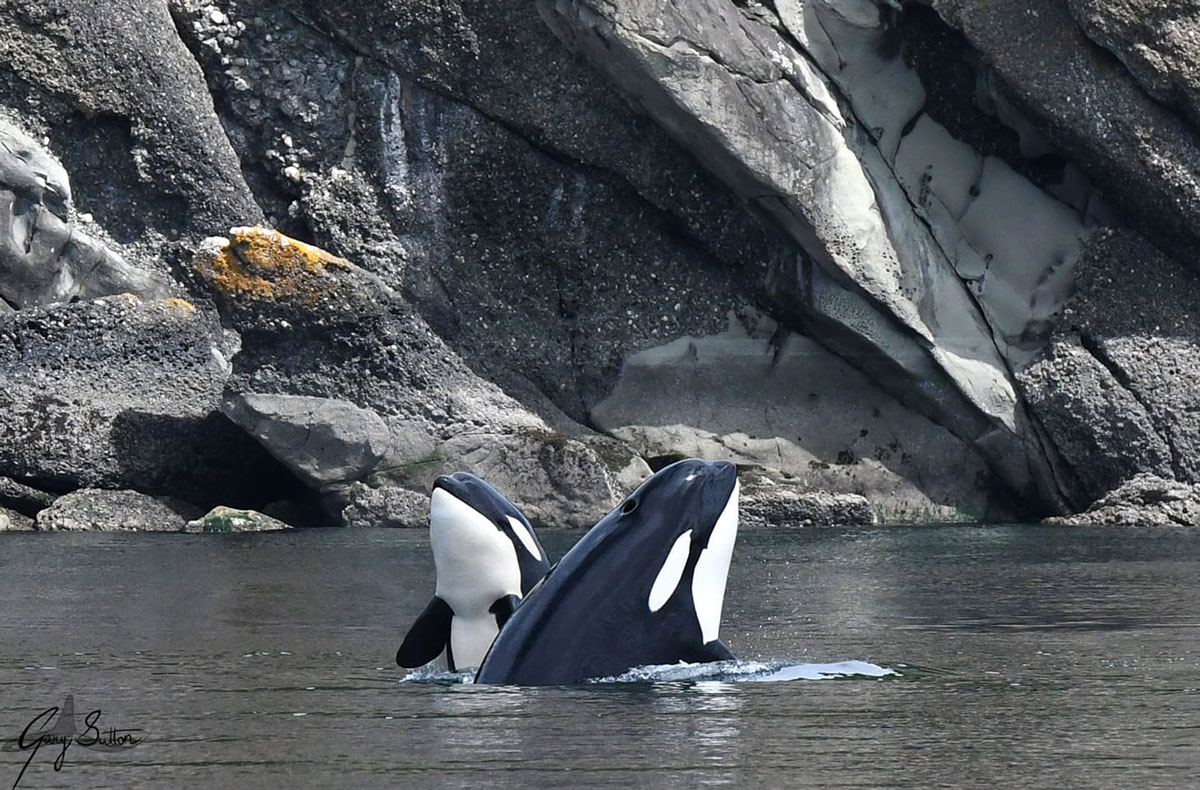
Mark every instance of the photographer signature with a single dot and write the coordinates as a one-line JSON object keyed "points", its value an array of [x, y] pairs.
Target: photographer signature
{"points": [[61, 733]]}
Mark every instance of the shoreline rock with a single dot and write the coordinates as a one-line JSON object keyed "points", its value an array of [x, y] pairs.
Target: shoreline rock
{"points": [[771, 501], [1143, 500], [100, 510], [226, 519], [954, 218], [12, 521]]}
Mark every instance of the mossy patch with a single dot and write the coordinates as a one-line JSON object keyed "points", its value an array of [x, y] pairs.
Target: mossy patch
{"points": [[432, 461], [219, 524]]}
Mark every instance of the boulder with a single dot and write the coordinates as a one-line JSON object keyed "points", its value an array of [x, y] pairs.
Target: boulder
{"points": [[98, 510], [772, 501], [1114, 393], [24, 499], [554, 479], [324, 441], [12, 521], [1098, 427], [227, 519], [1143, 500], [117, 393], [382, 505]]}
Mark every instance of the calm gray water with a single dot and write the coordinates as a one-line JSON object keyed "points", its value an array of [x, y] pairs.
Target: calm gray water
{"points": [[1027, 657]]}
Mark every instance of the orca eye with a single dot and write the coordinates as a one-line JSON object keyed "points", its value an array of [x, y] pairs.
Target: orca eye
{"points": [[629, 506]]}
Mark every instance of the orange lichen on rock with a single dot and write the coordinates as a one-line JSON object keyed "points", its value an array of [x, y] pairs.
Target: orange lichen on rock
{"points": [[259, 263], [175, 303]]}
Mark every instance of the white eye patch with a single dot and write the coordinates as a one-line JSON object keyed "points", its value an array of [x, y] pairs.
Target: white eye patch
{"points": [[526, 538], [671, 572]]}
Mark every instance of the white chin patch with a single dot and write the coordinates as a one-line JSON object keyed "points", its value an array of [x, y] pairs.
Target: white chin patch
{"points": [[712, 569], [526, 538], [476, 562], [449, 517], [671, 572]]}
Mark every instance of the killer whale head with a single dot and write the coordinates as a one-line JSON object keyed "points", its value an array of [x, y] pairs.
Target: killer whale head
{"points": [[646, 585], [487, 556], [467, 518]]}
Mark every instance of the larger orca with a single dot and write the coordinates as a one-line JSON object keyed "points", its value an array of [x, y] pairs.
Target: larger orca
{"points": [[644, 586], [487, 557]]}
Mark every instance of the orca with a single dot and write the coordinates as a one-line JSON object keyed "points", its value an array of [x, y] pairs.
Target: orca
{"points": [[645, 585], [487, 558]]}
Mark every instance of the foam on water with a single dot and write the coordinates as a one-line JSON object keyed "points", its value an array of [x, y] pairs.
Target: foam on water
{"points": [[747, 671], [440, 677], [727, 671]]}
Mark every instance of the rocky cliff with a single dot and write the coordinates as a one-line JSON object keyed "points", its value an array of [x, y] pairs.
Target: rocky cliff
{"points": [[303, 256]]}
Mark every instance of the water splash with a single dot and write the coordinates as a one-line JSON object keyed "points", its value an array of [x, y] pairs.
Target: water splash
{"points": [[439, 677], [748, 672], [725, 671]]}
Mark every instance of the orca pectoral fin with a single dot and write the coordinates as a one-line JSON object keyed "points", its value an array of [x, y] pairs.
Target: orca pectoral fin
{"points": [[710, 651], [504, 607], [428, 636]]}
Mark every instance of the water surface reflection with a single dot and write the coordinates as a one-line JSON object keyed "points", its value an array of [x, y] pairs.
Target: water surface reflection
{"points": [[1027, 657]]}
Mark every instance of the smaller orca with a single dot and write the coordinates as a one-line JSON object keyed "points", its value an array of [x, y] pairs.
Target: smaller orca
{"points": [[487, 558], [644, 586]]}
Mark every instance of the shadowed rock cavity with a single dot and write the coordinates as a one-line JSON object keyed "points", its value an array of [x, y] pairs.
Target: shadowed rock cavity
{"points": [[125, 394]]}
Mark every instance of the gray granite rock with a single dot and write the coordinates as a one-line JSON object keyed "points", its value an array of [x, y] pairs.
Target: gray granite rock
{"points": [[758, 395], [44, 258], [555, 480], [766, 109], [340, 380], [226, 519], [1142, 154], [99, 510], [541, 226], [24, 499], [1099, 428], [118, 393], [1142, 500], [125, 108], [1115, 393], [12, 521], [524, 239], [381, 504], [1158, 43], [773, 501], [325, 441]]}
